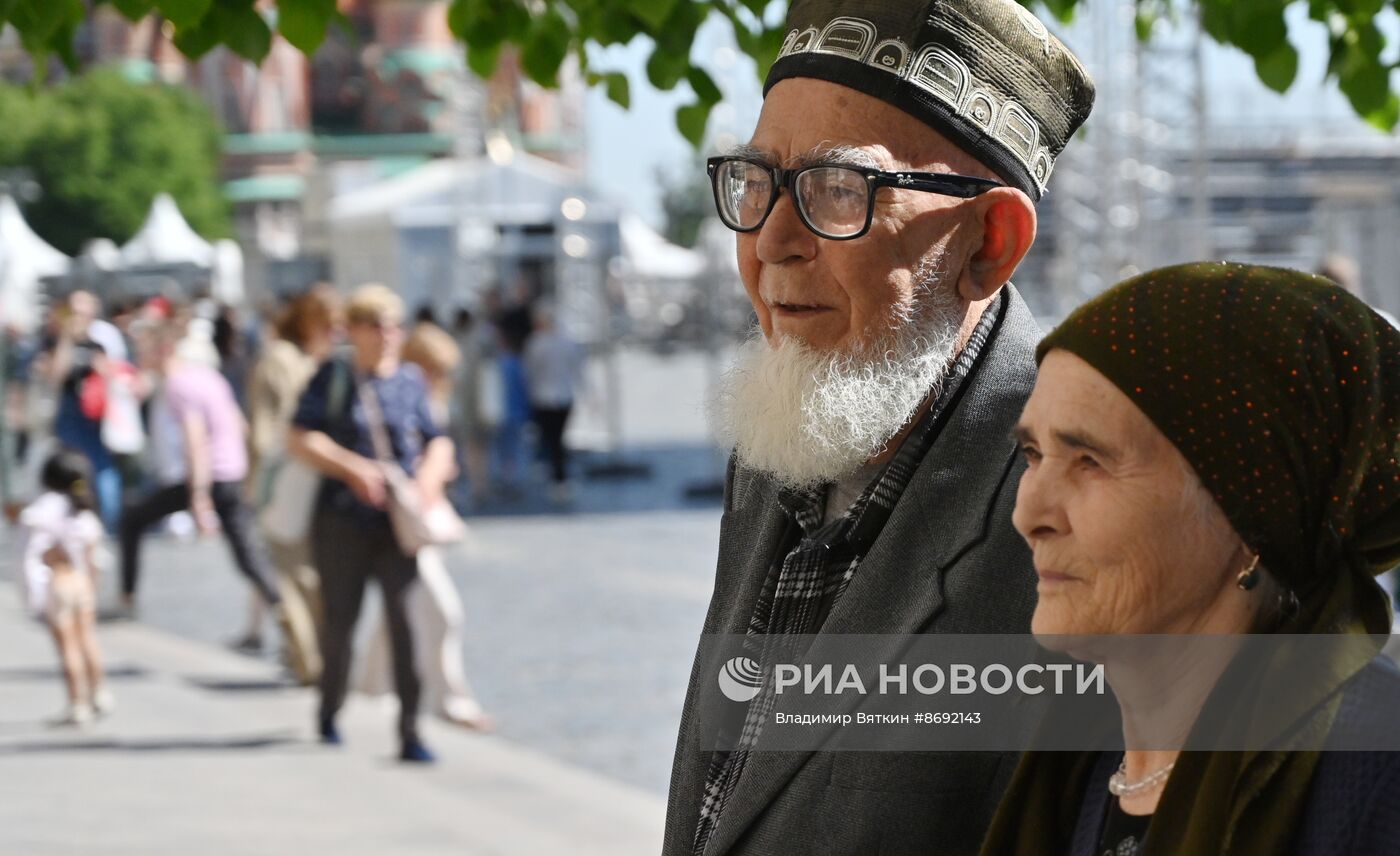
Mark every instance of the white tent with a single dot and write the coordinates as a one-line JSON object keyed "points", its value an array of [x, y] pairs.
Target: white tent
{"points": [[100, 254], [227, 275], [440, 232], [651, 256], [166, 239], [25, 258]]}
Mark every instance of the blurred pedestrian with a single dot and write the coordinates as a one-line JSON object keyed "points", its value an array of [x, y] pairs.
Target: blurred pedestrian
{"points": [[306, 333], [200, 459], [469, 419], [236, 352], [513, 327], [435, 608], [352, 539], [553, 372], [76, 363], [61, 539]]}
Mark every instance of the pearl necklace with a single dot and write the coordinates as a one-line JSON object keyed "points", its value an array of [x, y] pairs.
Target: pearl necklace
{"points": [[1118, 783]]}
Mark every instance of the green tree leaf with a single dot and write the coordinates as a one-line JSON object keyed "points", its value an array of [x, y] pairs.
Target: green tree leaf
{"points": [[243, 29], [304, 22], [1279, 68], [39, 20], [666, 68], [196, 40], [134, 10], [184, 13], [691, 120], [1366, 84], [619, 89], [545, 48], [654, 13], [1387, 116], [704, 86], [482, 60]]}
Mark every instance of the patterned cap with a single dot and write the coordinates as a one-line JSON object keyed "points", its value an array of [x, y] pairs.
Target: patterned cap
{"points": [[987, 74]]}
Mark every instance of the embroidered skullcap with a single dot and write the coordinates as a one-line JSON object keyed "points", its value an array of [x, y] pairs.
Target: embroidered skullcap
{"points": [[1280, 389], [986, 74]]}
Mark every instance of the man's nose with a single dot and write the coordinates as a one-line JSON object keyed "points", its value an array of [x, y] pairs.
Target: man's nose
{"points": [[783, 237]]}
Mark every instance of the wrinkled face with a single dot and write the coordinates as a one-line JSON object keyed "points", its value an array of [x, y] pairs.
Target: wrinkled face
{"points": [[836, 295], [1126, 540]]}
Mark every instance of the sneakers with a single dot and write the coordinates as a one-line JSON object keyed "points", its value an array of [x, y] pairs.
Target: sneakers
{"points": [[250, 643], [75, 715], [330, 735], [103, 703], [414, 752]]}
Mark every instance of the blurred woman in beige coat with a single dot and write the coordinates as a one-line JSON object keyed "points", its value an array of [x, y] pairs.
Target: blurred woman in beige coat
{"points": [[306, 334]]}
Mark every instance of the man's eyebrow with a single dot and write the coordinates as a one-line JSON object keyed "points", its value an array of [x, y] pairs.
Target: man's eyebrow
{"points": [[838, 155], [748, 152], [1022, 435], [824, 154]]}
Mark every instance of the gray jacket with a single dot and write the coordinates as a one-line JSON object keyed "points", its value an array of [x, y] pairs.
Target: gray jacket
{"points": [[948, 561]]}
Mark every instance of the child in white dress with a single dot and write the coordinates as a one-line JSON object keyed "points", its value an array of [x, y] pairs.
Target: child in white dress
{"points": [[62, 534]]}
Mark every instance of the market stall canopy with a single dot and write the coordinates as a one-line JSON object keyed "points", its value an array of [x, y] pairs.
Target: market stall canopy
{"points": [[100, 254], [25, 258], [166, 239], [227, 274], [651, 256], [525, 189]]}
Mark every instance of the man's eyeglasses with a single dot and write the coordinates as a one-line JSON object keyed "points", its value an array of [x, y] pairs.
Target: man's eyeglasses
{"points": [[835, 202]]}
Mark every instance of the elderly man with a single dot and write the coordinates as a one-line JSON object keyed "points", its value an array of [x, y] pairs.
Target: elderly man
{"points": [[886, 197]]}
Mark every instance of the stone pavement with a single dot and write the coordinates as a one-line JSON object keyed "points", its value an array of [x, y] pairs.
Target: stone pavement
{"points": [[581, 625], [208, 752]]}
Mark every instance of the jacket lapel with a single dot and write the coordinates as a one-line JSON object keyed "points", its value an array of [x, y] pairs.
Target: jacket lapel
{"points": [[897, 589], [749, 532]]}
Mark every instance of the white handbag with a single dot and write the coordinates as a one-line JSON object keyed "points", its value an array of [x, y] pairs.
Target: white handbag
{"points": [[122, 432], [415, 525]]}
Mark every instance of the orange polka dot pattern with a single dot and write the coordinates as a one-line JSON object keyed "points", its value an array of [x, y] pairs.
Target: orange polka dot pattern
{"points": [[1280, 389]]}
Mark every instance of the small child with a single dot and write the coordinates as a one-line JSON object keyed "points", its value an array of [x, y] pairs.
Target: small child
{"points": [[62, 534]]}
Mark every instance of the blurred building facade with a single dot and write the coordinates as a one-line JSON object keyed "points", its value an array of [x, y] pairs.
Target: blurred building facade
{"points": [[387, 95]]}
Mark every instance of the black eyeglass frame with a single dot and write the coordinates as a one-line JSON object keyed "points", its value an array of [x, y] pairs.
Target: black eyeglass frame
{"points": [[944, 183]]}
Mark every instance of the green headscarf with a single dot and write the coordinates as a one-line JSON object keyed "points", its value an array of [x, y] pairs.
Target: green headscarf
{"points": [[1282, 391]]}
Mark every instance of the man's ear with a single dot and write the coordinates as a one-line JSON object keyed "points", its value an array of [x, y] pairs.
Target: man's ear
{"points": [[1008, 229]]}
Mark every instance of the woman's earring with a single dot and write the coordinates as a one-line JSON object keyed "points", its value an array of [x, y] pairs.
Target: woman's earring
{"points": [[1249, 577]]}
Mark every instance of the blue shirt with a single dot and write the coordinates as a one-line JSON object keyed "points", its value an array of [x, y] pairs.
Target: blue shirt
{"points": [[403, 397]]}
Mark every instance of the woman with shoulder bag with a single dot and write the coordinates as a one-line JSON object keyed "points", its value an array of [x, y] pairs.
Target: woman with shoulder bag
{"points": [[384, 455], [435, 607]]}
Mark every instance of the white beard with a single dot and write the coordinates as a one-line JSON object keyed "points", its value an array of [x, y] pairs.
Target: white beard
{"points": [[810, 417]]}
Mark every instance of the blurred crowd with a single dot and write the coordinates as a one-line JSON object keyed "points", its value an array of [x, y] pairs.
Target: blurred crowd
{"points": [[190, 417]]}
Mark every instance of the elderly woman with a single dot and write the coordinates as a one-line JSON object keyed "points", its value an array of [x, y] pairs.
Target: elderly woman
{"points": [[352, 540], [1212, 449]]}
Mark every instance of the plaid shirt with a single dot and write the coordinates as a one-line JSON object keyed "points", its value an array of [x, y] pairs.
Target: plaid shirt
{"points": [[807, 580]]}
